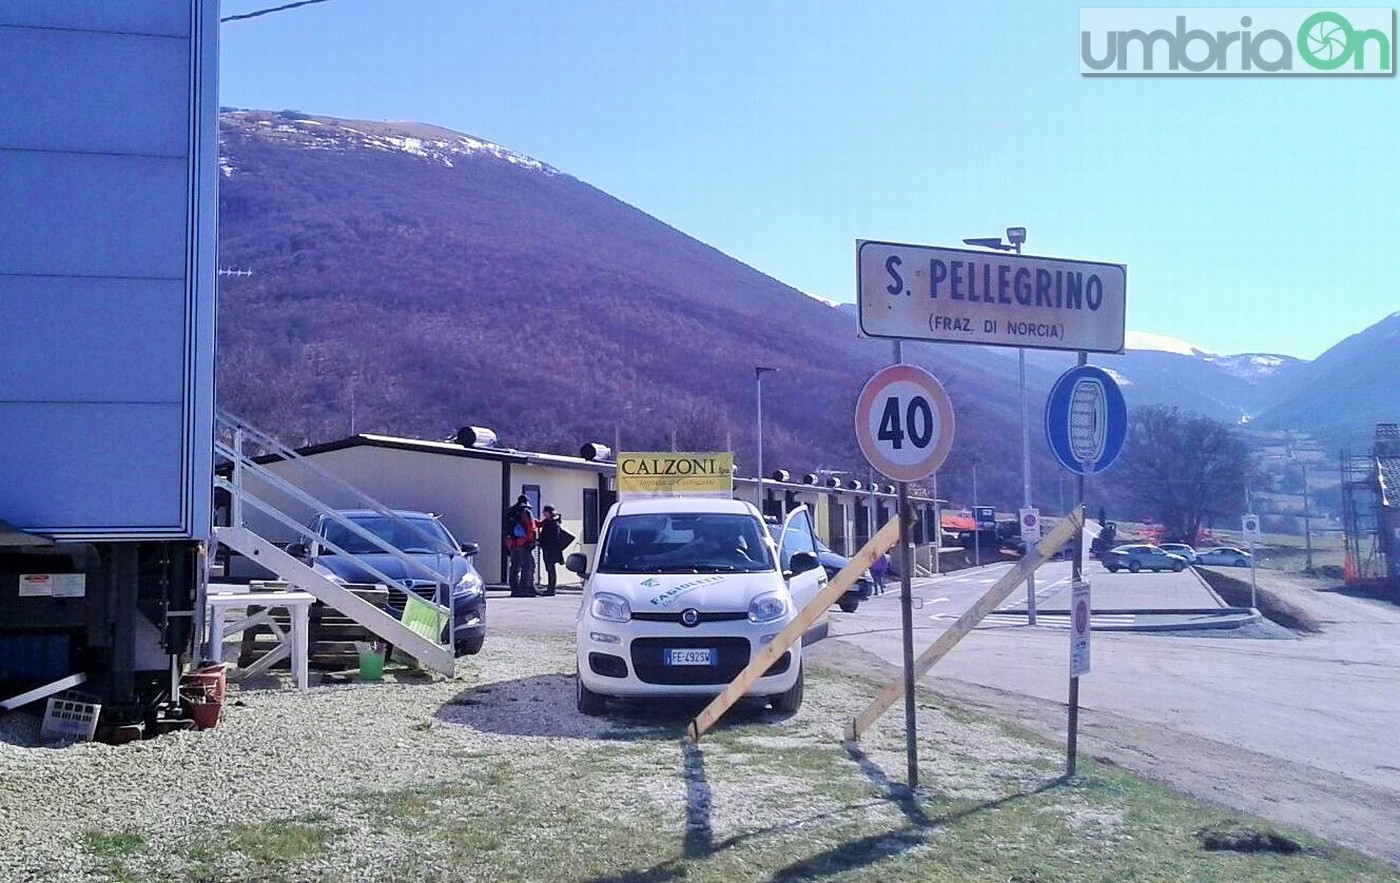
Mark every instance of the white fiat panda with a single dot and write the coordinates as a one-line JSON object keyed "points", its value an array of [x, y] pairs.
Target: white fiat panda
{"points": [[684, 592]]}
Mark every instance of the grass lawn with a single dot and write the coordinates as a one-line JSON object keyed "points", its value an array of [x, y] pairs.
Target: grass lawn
{"points": [[761, 798]]}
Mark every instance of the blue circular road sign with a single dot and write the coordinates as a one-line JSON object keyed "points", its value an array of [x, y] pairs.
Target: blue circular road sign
{"points": [[1086, 420]]}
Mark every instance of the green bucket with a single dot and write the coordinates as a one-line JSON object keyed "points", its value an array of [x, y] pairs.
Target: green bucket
{"points": [[371, 662]]}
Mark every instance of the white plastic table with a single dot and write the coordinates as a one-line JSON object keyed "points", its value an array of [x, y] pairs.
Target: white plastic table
{"points": [[295, 644]]}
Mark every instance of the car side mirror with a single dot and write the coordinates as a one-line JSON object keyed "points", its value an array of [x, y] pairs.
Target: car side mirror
{"points": [[298, 550], [470, 549], [577, 563], [801, 562]]}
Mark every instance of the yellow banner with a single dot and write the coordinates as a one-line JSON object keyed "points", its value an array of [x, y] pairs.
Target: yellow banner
{"points": [[675, 474]]}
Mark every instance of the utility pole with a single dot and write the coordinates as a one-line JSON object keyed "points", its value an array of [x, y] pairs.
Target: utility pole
{"points": [[758, 373], [1307, 522]]}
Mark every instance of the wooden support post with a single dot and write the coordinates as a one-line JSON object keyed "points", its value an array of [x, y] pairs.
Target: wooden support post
{"points": [[859, 563], [998, 593]]}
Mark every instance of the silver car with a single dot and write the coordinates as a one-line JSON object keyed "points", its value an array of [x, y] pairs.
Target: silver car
{"points": [[1227, 556], [1181, 549], [1142, 556]]}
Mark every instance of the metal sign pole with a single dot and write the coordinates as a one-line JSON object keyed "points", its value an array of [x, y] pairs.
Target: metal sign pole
{"points": [[906, 612], [1253, 589], [906, 617], [1076, 576]]}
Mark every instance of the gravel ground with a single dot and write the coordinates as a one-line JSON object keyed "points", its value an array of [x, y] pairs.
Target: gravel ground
{"points": [[327, 756]]}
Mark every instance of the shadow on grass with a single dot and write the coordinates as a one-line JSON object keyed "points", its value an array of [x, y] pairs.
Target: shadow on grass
{"points": [[919, 825], [853, 855], [544, 706]]}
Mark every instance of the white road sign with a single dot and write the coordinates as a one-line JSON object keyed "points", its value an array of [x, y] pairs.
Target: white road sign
{"points": [[904, 422], [959, 296], [1250, 525], [1080, 611], [1030, 525]]}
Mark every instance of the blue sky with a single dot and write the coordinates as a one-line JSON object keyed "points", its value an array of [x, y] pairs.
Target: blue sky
{"points": [[1253, 214]]}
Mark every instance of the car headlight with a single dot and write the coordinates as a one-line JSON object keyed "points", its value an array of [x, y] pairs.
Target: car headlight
{"points": [[767, 607], [469, 584], [610, 607]]}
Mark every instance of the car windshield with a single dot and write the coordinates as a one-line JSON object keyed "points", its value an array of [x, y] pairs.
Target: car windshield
{"points": [[705, 542], [415, 535]]}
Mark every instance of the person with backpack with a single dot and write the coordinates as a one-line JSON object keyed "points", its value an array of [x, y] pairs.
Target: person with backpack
{"points": [[520, 536]]}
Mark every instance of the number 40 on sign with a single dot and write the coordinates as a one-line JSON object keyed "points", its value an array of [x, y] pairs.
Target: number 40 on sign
{"points": [[904, 422]]}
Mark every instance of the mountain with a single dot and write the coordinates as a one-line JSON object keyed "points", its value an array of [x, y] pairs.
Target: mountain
{"points": [[406, 279], [1346, 391], [409, 280]]}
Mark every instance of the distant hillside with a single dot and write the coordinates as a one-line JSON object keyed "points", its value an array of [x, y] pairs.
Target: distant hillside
{"points": [[410, 280], [1346, 391]]}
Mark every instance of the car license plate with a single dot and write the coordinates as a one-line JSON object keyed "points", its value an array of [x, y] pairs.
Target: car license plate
{"points": [[690, 656]]}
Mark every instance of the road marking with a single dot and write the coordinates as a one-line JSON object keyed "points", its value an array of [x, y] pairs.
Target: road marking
{"points": [[1054, 621]]}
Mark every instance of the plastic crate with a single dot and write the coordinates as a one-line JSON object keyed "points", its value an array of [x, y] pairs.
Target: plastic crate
{"points": [[70, 719]]}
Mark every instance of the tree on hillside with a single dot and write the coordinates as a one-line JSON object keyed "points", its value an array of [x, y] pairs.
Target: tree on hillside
{"points": [[1182, 468]]}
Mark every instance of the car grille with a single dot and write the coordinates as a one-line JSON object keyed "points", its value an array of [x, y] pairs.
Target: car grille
{"points": [[423, 588], [649, 665], [648, 616]]}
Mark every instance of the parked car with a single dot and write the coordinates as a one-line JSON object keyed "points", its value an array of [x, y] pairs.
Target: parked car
{"points": [[1227, 556], [422, 537], [685, 592], [1181, 549], [1141, 556], [833, 563], [860, 590]]}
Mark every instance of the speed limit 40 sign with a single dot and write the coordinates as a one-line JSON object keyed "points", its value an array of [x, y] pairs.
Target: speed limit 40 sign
{"points": [[904, 422]]}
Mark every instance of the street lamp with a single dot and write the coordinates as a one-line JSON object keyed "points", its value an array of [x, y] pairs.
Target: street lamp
{"points": [[1015, 238], [758, 373]]}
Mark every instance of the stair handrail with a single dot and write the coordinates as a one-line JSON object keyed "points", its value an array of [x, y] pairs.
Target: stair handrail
{"points": [[240, 426], [274, 480], [241, 461]]}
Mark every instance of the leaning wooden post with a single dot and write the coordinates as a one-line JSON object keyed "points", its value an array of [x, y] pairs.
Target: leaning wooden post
{"points": [[1042, 552], [884, 538]]}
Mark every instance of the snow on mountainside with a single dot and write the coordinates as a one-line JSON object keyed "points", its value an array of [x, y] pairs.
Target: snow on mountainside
{"points": [[309, 132], [1144, 340], [1245, 366]]}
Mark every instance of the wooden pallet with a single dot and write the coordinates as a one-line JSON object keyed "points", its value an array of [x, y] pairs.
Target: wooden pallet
{"points": [[332, 638]]}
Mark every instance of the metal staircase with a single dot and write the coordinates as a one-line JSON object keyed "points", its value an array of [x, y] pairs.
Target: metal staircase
{"points": [[234, 466]]}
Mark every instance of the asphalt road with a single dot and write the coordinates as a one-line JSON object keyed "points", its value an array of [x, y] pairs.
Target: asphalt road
{"points": [[1322, 711]]}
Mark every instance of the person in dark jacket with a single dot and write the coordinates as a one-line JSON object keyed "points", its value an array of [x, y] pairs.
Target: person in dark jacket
{"points": [[520, 537], [553, 541]]}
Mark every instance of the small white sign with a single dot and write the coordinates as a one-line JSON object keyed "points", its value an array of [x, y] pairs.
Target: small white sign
{"points": [[1030, 525], [36, 585], [52, 585], [1080, 613], [1250, 525]]}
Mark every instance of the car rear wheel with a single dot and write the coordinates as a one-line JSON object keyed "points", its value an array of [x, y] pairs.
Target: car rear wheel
{"points": [[1134, 567], [1178, 566], [1112, 568], [790, 700], [472, 646], [589, 703], [1240, 562], [848, 606]]}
